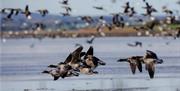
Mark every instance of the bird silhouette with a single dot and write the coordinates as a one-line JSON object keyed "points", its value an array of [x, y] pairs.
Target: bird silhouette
{"points": [[90, 41], [3, 11], [87, 19], [166, 10], [43, 12], [149, 9], [132, 12], [134, 61], [10, 14], [118, 20], [126, 8], [98, 7], [67, 8], [136, 43], [64, 2], [26, 12]]}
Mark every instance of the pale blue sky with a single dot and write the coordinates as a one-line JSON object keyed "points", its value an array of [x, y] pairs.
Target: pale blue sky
{"points": [[84, 7]]}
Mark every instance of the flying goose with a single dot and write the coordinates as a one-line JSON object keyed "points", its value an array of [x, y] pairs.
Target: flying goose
{"points": [[134, 61], [3, 11], [126, 8], [150, 59], [166, 10], [26, 12], [98, 7], [43, 12], [74, 58], [61, 71], [137, 43], [149, 9], [10, 14], [67, 8], [92, 61], [90, 41], [65, 2]]}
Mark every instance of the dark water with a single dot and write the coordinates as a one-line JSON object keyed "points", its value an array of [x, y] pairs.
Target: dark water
{"points": [[23, 60]]}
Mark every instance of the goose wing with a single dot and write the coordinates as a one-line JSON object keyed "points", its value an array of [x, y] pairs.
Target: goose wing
{"points": [[68, 59], [89, 52], [150, 54], [139, 65], [133, 67], [151, 68], [76, 54]]}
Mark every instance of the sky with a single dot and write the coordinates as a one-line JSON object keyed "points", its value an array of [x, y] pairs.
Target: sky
{"points": [[84, 7]]}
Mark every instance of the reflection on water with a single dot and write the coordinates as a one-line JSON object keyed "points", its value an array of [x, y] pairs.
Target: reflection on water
{"points": [[21, 65]]}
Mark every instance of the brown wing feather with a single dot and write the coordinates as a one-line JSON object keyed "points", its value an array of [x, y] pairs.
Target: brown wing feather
{"points": [[151, 69], [68, 59], [76, 54], [139, 65], [133, 67]]}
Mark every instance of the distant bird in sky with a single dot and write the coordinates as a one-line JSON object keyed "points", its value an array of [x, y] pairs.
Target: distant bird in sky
{"points": [[126, 8], [10, 14], [12, 11], [64, 2], [18, 11], [132, 12], [43, 12], [3, 11], [149, 9], [90, 41], [136, 43], [166, 10], [67, 8], [99, 7], [27, 12]]}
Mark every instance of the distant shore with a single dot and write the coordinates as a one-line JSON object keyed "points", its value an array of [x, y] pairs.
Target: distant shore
{"points": [[120, 32]]}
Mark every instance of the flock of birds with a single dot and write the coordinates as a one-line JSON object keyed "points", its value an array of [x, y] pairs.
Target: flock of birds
{"points": [[149, 59], [117, 19], [79, 62], [76, 62]]}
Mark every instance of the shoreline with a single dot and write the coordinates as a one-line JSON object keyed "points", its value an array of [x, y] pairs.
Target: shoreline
{"points": [[88, 32]]}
